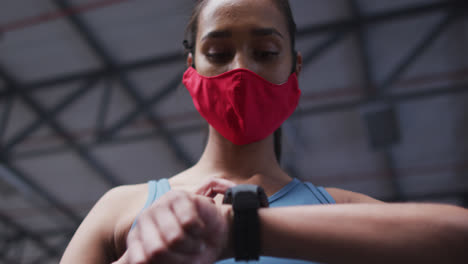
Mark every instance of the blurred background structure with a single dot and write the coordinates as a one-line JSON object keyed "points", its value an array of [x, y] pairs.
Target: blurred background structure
{"points": [[91, 98]]}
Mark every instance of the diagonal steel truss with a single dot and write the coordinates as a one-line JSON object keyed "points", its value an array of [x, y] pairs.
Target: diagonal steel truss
{"points": [[15, 237], [110, 63], [15, 90]]}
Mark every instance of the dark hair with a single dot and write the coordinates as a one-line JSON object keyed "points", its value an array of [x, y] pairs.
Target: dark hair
{"points": [[284, 7], [192, 26]]}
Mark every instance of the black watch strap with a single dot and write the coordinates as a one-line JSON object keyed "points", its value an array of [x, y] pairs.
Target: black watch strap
{"points": [[246, 200]]}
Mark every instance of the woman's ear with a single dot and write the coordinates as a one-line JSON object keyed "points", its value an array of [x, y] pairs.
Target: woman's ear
{"points": [[190, 60], [298, 63]]}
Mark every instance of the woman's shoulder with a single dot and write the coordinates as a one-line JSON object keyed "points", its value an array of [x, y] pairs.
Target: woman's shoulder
{"points": [[101, 237], [344, 196], [118, 203], [122, 199], [117, 210], [124, 193]]}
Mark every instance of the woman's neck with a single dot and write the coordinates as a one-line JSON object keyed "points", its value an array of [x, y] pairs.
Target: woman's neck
{"points": [[252, 163]]}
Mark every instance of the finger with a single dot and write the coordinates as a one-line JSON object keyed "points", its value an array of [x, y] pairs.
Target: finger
{"points": [[132, 238], [136, 253], [172, 232], [149, 235], [214, 186], [208, 213], [187, 216], [215, 221], [151, 242]]}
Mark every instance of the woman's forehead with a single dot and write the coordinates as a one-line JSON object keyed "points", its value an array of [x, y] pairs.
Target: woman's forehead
{"points": [[247, 14]]}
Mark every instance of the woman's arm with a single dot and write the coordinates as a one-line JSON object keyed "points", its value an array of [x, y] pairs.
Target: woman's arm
{"points": [[342, 233], [367, 233], [101, 236], [346, 197]]}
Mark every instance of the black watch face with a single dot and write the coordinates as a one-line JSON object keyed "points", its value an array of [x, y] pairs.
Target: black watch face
{"points": [[246, 196]]}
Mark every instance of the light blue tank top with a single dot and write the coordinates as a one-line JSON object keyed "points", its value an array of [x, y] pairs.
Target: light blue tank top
{"points": [[294, 193]]}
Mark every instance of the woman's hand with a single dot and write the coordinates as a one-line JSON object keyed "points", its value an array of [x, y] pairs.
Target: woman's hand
{"points": [[182, 228], [214, 186]]}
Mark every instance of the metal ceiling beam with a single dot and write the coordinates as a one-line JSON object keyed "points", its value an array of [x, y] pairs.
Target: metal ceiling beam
{"points": [[104, 106], [425, 42], [119, 140], [382, 16], [376, 93], [24, 233], [55, 111], [146, 105], [307, 31], [5, 116], [390, 98], [46, 259], [27, 186], [175, 57], [9, 250], [371, 92], [363, 50], [110, 63], [61, 245], [70, 140], [322, 47]]}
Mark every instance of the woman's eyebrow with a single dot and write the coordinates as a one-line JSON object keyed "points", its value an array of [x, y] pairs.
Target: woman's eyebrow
{"points": [[218, 34], [266, 32]]}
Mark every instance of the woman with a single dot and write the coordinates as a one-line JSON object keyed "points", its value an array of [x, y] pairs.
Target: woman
{"points": [[242, 70]]}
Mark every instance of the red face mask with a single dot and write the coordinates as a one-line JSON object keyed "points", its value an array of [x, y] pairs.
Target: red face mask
{"points": [[241, 105]]}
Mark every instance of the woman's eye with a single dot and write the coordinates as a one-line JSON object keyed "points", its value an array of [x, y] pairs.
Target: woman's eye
{"points": [[219, 57], [266, 55]]}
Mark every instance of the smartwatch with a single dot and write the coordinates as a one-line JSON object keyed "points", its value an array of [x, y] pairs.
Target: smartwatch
{"points": [[246, 199]]}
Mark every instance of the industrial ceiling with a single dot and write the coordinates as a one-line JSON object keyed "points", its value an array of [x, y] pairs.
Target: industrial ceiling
{"points": [[91, 98]]}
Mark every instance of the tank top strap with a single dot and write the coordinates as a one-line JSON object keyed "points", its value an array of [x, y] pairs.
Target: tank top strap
{"points": [[162, 187], [156, 189], [320, 193]]}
